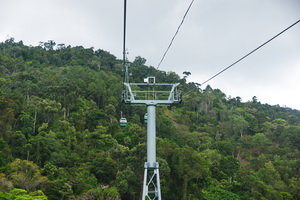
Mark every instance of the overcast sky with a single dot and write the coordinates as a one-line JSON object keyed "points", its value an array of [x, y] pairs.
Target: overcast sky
{"points": [[215, 34]]}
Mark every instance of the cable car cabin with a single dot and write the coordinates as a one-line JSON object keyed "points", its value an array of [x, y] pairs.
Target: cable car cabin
{"points": [[145, 118], [123, 122]]}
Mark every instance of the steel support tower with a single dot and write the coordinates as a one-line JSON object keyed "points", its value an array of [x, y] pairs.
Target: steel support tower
{"points": [[153, 95], [150, 94], [151, 186]]}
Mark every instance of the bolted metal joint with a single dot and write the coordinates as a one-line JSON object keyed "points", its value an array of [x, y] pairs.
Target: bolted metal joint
{"points": [[151, 166]]}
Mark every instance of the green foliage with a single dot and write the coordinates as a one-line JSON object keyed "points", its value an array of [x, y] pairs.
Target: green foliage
{"points": [[214, 193], [127, 183], [20, 194], [5, 184], [26, 175], [60, 138]]}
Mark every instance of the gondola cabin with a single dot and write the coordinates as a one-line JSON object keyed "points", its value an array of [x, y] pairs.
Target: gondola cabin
{"points": [[123, 121], [146, 118]]}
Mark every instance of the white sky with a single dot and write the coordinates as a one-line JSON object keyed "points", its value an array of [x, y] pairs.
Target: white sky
{"points": [[215, 34]]}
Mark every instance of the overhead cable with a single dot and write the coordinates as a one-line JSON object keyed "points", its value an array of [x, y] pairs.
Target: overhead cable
{"points": [[124, 33], [245, 56], [251, 52], [124, 43], [175, 34]]}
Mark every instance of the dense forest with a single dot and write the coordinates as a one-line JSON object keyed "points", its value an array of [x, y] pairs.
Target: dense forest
{"points": [[60, 136]]}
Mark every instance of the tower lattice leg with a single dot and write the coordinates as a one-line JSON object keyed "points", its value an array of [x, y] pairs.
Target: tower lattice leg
{"points": [[151, 187]]}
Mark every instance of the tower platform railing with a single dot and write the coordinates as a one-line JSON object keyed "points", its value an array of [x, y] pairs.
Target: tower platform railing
{"points": [[158, 93]]}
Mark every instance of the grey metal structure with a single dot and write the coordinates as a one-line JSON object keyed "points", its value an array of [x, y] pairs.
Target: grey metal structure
{"points": [[151, 94]]}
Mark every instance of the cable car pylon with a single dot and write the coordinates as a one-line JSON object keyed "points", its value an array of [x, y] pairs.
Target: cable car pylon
{"points": [[151, 94]]}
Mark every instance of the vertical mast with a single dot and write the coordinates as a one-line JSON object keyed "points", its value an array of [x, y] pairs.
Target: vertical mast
{"points": [[151, 136], [125, 65]]}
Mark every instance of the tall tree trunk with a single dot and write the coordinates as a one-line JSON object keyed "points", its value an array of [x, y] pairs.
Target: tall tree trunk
{"points": [[27, 155], [184, 187], [34, 122], [65, 110]]}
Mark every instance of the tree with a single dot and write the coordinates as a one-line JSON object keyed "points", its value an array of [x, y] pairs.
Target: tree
{"points": [[5, 154], [228, 167], [260, 143], [20, 194], [215, 193], [139, 60], [5, 184], [18, 140], [66, 190], [191, 168], [107, 193], [295, 187], [127, 184], [104, 168], [254, 99], [27, 175], [44, 145], [186, 74], [49, 45], [239, 124], [110, 110], [7, 116], [172, 77], [269, 174]]}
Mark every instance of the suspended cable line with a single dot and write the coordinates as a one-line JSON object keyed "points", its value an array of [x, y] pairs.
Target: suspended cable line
{"points": [[124, 34], [125, 65], [175, 34], [250, 52], [245, 56], [123, 120]]}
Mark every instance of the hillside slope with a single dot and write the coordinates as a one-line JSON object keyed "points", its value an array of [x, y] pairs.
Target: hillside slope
{"points": [[60, 137]]}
